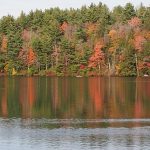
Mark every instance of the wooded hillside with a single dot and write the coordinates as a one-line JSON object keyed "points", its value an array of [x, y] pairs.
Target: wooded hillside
{"points": [[88, 41]]}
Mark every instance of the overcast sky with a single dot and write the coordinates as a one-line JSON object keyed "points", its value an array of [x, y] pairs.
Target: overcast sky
{"points": [[14, 7]]}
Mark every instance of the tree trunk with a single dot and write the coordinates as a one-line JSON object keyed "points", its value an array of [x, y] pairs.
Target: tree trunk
{"points": [[137, 69], [46, 65], [108, 67], [99, 68]]}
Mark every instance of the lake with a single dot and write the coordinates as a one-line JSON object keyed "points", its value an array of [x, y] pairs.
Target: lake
{"points": [[68, 113]]}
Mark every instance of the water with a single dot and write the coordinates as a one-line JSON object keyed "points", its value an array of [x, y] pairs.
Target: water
{"points": [[39, 113]]}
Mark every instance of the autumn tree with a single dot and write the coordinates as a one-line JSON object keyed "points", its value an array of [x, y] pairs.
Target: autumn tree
{"points": [[4, 44], [113, 52], [97, 58], [134, 22], [31, 57]]}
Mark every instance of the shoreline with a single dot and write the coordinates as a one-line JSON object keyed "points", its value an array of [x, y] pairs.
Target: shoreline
{"points": [[76, 76]]}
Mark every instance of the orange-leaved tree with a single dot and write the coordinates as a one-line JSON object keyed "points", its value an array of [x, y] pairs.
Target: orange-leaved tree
{"points": [[134, 22], [64, 26], [97, 58], [27, 56], [31, 57], [4, 43], [139, 42]]}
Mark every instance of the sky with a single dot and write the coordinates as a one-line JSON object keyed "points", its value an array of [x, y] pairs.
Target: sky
{"points": [[14, 7]]}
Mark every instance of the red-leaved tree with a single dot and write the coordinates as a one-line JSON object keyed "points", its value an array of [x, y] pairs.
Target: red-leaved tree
{"points": [[97, 58], [28, 57], [138, 42], [64, 26], [134, 22]]}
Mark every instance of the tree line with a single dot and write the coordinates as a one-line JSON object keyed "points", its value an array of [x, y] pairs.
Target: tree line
{"points": [[89, 41]]}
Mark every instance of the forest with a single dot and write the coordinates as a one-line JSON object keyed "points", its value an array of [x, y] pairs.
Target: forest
{"points": [[90, 41]]}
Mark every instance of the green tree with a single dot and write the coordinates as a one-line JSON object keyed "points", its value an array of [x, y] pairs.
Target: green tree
{"points": [[128, 12]]}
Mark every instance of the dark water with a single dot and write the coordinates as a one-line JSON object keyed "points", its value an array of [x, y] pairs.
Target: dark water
{"points": [[42, 113]]}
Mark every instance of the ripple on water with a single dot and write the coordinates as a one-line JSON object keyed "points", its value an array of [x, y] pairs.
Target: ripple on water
{"points": [[30, 134]]}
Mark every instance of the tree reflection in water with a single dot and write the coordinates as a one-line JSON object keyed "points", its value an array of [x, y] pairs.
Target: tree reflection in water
{"points": [[74, 98]]}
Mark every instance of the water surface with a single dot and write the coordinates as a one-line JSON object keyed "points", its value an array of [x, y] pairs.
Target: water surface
{"points": [[74, 113]]}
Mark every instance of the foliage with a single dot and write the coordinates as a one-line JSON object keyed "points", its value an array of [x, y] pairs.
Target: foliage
{"points": [[91, 40]]}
